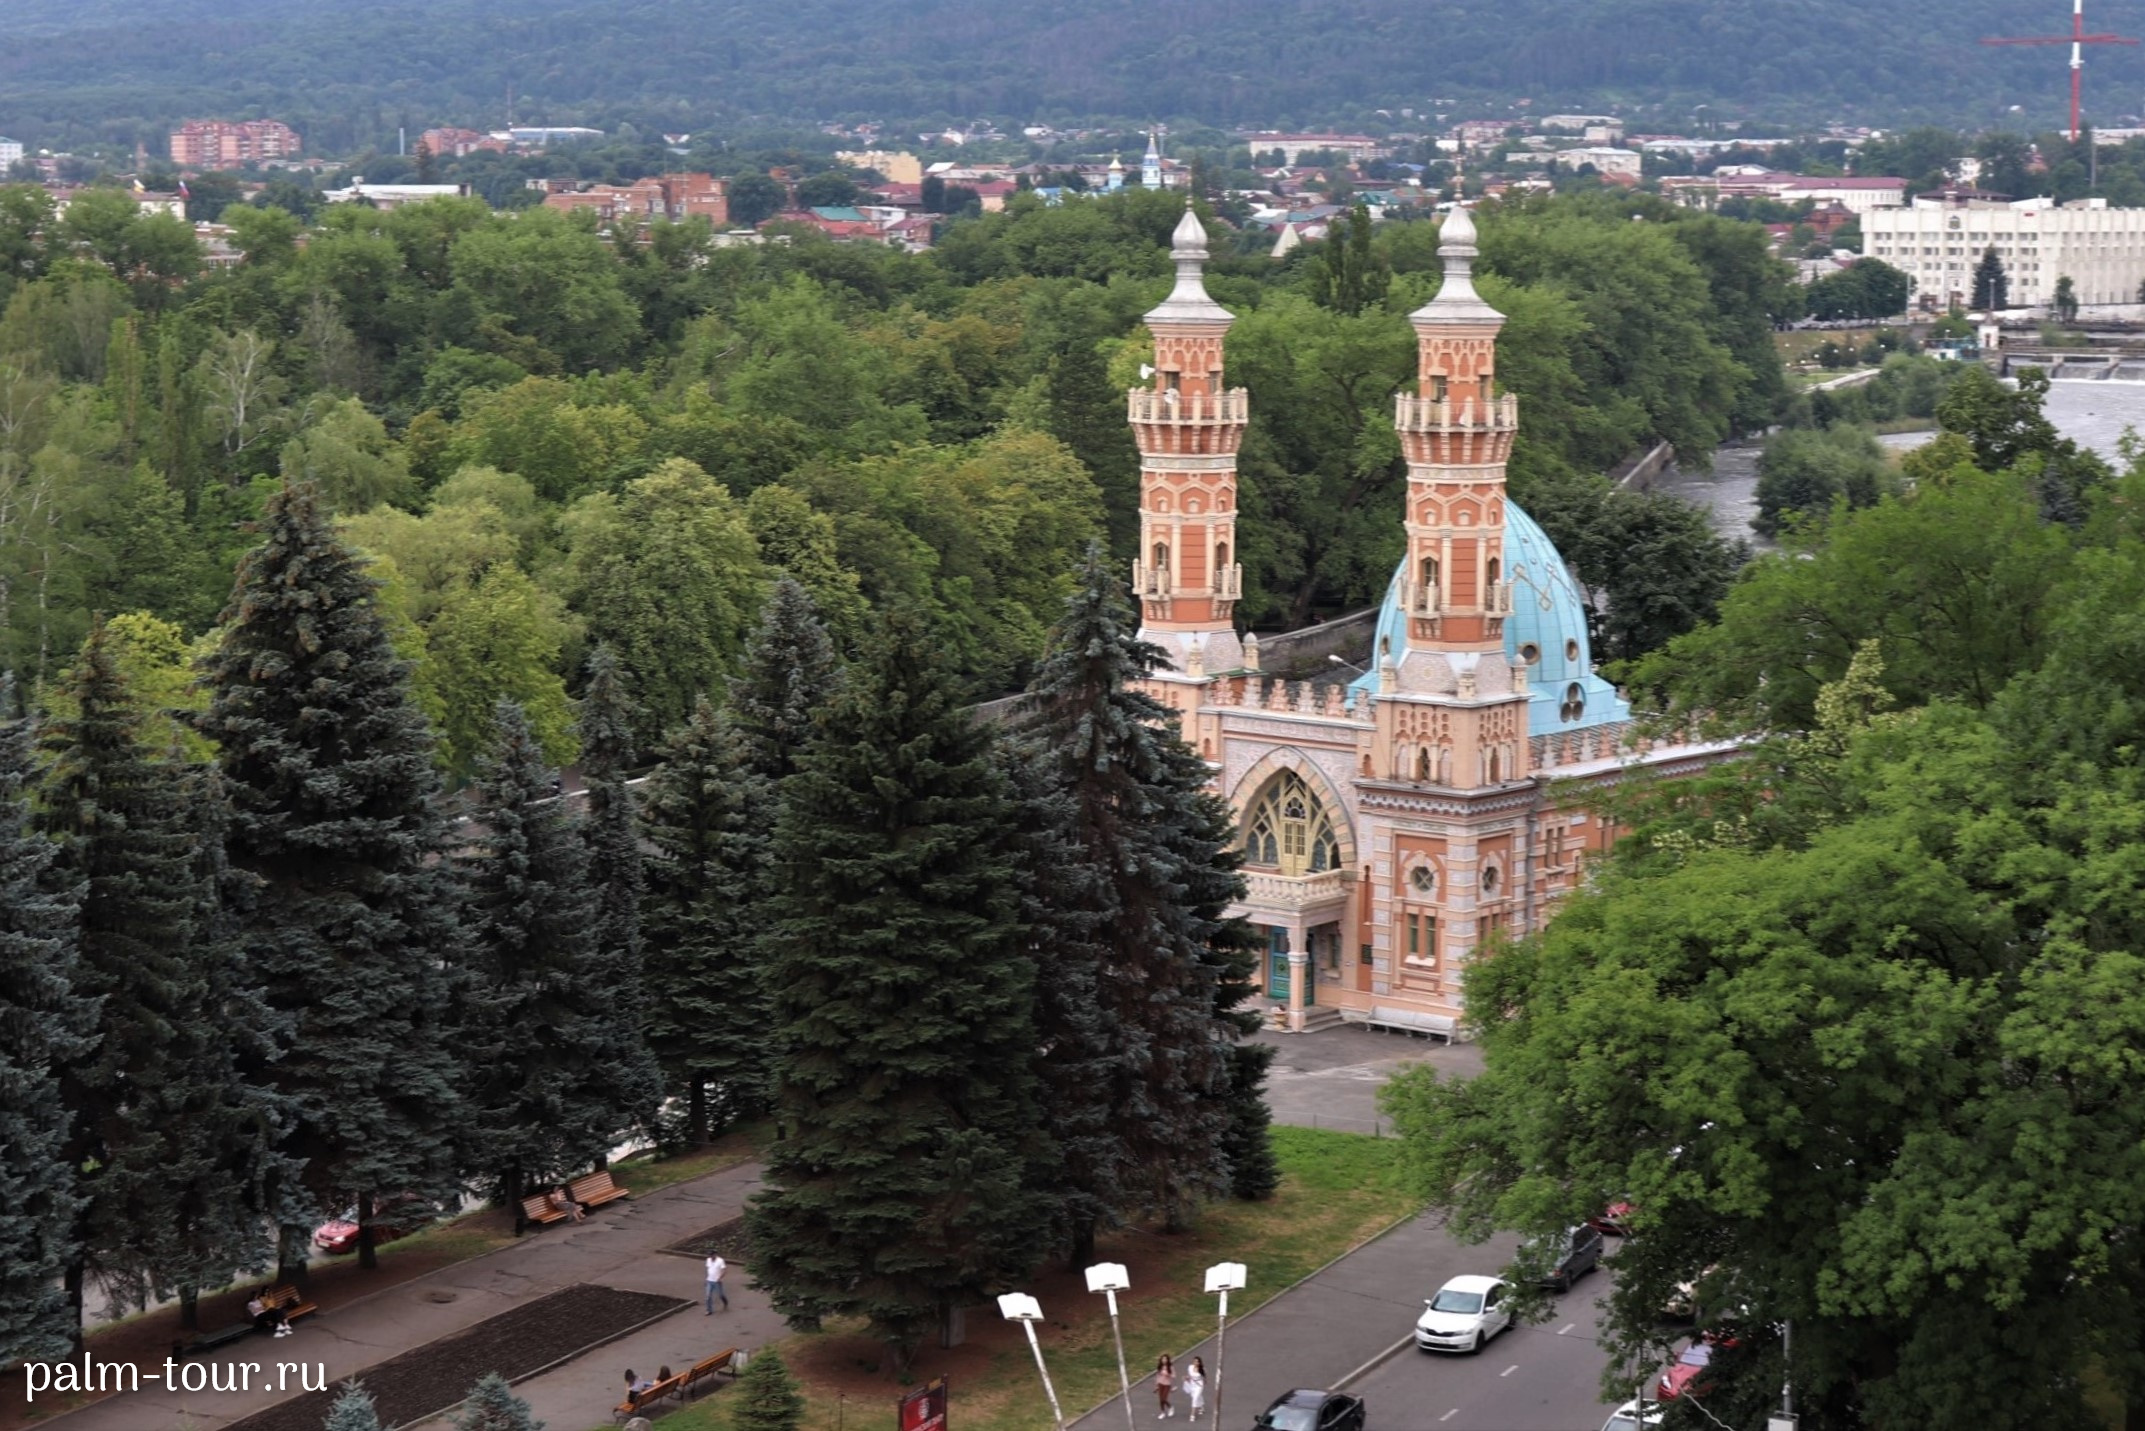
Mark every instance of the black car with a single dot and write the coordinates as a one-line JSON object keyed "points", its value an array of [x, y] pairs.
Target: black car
{"points": [[1578, 1252], [1313, 1411]]}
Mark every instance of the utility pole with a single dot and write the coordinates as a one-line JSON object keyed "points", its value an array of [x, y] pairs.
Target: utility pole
{"points": [[2077, 39]]}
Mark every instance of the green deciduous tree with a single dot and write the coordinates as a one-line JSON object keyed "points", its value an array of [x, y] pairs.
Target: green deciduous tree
{"points": [[1803, 471], [901, 1181], [330, 772], [497, 638], [668, 573]]}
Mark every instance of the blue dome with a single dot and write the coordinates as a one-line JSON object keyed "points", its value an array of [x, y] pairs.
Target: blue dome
{"points": [[1547, 629]]}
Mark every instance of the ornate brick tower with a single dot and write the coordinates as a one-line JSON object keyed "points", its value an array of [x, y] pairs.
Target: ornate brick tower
{"points": [[1454, 589], [1189, 428]]}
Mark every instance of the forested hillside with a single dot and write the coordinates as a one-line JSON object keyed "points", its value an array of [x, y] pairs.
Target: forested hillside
{"points": [[550, 438], [348, 74]]}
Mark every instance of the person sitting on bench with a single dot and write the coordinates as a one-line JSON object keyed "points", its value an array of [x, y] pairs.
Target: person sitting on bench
{"points": [[267, 1318], [560, 1201]]}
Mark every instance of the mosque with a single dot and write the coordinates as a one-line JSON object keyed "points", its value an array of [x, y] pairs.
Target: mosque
{"points": [[1391, 825]]}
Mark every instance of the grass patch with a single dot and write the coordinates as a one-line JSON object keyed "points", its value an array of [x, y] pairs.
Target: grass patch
{"points": [[645, 1172], [1337, 1190]]}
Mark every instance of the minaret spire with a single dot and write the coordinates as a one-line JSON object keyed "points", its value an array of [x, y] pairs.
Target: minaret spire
{"points": [[1189, 428]]}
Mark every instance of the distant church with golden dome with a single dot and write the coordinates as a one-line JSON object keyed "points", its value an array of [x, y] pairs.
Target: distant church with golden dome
{"points": [[1392, 825]]}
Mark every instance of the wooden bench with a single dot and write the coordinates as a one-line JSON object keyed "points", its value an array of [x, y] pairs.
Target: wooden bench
{"points": [[595, 1190], [723, 1363], [1412, 1021], [209, 1341], [638, 1401], [288, 1300], [539, 1210]]}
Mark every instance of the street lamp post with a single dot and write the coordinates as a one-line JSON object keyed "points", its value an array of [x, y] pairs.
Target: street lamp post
{"points": [[1222, 1277], [1024, 1309], [1110, 1278]]}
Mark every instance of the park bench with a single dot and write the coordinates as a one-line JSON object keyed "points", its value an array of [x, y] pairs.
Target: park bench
{"points": [[723, 1363], [595, 1190], [288, 1300], [1412, 1021], [539, 1210], [209, 1341], [639, 1400]]}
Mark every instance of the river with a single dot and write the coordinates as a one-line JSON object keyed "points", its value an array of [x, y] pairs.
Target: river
{"points": [[2095, 413]]}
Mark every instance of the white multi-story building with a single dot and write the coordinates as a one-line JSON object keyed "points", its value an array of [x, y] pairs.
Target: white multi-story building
{"points": [[1605, 160], [1938, 240], [10, 153]]}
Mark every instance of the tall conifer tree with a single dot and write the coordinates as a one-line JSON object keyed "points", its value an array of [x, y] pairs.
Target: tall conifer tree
{"points": [[331, 777], [790, 674], [614, 848], [557, 1068], [45, 1023], [704, 814], [909, 1138], [1159, 843], [160, 1112]]}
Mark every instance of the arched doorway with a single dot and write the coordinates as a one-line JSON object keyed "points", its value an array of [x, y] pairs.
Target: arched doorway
{"points": [[1289, 832]]}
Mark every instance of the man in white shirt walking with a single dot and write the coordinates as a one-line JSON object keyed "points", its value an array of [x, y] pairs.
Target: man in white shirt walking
{"points": [[716, 1268]]}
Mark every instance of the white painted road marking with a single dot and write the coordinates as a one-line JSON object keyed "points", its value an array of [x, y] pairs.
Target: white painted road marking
{"points": [[1509, 1370], [1566, 1327], [1450, 1414]]}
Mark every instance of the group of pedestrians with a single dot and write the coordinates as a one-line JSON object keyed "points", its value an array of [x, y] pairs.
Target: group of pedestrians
{"points": [[1193, 1381]]}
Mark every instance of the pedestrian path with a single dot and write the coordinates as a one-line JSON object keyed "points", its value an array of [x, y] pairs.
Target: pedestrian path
{"points": [[618, 1246], [1319, 1331]]}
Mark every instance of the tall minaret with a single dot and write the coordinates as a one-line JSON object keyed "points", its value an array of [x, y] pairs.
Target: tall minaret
{"points": [[1188, 427], [1151, 165], [1457, 434], [1454, 588]]}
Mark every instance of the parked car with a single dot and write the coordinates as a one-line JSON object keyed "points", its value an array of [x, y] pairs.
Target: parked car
{"points": [[396, 1215], [1628, 1417], [1575, 1254], [1465, 1313], [1613, 1220], [1681, 1378], [1309, 1410]]}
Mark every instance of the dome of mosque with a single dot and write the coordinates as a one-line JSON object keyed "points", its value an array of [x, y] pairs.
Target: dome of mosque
{"points": [[1546, 630]]}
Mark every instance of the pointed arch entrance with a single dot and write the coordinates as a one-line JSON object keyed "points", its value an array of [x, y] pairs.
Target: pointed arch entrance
{"points": [[1298, 855]]}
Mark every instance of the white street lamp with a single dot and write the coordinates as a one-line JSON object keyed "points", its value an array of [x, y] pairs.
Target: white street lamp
{"points": [[1222, 1277], [1110, 1278], [1024, 1309]]}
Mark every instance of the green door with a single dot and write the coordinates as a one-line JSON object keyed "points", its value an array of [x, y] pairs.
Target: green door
{"points": [[1277, 963]]}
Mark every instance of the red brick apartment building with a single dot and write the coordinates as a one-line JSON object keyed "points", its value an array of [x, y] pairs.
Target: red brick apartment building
{"points": [[668, 196], [227, 143]]}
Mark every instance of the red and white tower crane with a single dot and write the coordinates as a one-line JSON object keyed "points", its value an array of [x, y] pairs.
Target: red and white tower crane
{"points": [[2077, 39]]}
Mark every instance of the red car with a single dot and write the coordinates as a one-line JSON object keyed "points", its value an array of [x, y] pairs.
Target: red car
{"points": [[1677, 1379], [1613, 1220], [398, 1215]]}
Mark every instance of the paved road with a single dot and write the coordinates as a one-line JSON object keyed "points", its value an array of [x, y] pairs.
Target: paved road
{"points": [[1545, 1377], [1319, 1331], [1330, 1079]]}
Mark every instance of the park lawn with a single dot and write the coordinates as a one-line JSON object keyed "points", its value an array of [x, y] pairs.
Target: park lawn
{"points": [[645, 1172], [1337, 1191]]}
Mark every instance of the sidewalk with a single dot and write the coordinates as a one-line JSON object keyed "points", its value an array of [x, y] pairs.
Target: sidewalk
{"points": [[617, 1247], [1320, 1330]]}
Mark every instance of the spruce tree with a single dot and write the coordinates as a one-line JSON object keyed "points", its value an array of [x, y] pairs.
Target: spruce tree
{"points": [[332, 783], [1254, 1171], [1173, 966], [767, 1395], [704, 812], [493, 1406], [790, 675], [353, 1410], [614, 849], [909, 1142], [556, 1069], [45, 1023], [160, 1112]]}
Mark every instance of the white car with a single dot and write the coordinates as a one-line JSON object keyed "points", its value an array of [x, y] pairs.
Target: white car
{"points": [[1465, 1313], [1627, 1417]]}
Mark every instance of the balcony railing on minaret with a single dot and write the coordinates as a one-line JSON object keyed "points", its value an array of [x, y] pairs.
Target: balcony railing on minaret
{"points": [[1149, 581], [1152, 583], [1422, 414], [1167, 423]]}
